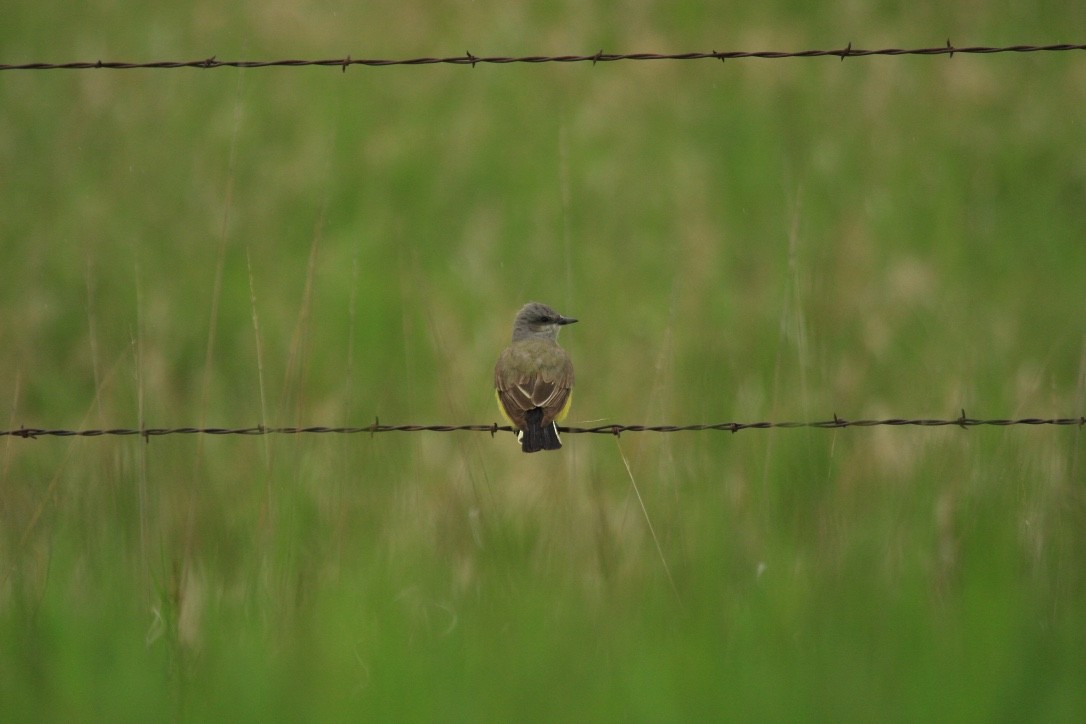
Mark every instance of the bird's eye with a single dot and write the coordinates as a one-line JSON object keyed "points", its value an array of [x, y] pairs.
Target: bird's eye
{"points": [[544, 319]]}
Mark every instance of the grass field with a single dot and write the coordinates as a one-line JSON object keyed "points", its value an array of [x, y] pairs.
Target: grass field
{"points": [[753, 240]]}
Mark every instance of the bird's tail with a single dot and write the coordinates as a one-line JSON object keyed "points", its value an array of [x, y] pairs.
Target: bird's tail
{"points": [[536, 435]]}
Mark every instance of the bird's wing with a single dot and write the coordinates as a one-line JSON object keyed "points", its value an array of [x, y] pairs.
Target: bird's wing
{"points": [[535, 376]]}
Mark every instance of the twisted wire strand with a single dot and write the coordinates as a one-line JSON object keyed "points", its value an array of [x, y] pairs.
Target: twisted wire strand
{"points": [[471, 59], [963, 421]]}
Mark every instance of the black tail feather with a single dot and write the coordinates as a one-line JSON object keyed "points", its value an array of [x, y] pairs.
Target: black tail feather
{"points": [[537, 436]]}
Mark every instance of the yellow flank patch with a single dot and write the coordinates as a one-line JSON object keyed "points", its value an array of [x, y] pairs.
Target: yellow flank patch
{"points": [[501, 408], [565, 408]]}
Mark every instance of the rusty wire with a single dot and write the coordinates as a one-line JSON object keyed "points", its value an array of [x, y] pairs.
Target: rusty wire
{"points": [[962, 421], [471, 59]]}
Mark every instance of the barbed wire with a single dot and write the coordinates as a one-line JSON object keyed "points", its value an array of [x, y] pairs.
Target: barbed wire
{"points": [[599, 57], [836, 423]]}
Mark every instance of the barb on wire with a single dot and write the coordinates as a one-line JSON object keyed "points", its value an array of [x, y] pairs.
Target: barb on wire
{"points": [[599, 57], [962, 421]]}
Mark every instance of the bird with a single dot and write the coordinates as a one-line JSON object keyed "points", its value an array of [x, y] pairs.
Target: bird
{"points": [[533, 378]]}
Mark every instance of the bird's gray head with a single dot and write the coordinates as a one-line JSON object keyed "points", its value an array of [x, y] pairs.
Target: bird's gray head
{"points": [[535, 320]]}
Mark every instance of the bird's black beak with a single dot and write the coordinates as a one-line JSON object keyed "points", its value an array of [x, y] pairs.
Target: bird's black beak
{"points": [[566, 320]]}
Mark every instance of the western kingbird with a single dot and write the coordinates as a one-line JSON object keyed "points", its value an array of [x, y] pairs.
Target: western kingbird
{"points": [[533, 378]]}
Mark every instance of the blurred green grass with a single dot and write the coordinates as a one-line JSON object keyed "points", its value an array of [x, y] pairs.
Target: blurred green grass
{"points": [[752, 240]]}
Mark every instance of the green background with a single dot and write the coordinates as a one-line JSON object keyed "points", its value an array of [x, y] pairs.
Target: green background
{"points": [[753, 240]]}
